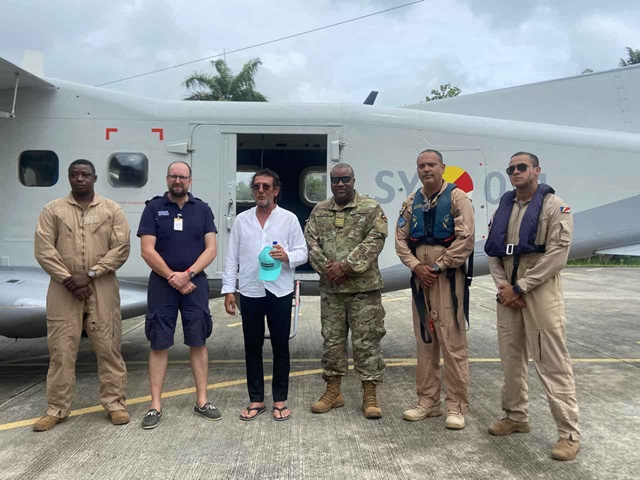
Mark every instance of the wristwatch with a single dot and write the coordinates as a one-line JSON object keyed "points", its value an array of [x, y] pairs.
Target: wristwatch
{"points": [[91, 274], [191, 274], [436, 268], [517, 290]]}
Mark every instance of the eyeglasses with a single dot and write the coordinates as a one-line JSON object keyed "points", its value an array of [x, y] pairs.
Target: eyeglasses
{"points": [[522, 167], [256, 187], [182, 178], [336, 180]]}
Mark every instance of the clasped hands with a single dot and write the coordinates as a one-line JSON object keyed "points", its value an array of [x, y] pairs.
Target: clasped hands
{"points": [[78, 284], [427, 276], [181, 282], [334, 273], [509, 298]]}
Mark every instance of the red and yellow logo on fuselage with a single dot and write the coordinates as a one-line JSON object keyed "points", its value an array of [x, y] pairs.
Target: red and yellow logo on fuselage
{"points": [[460, 178]]}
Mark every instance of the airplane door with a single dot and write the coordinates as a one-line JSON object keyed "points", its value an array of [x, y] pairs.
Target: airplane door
{"points": [[213, 168]]}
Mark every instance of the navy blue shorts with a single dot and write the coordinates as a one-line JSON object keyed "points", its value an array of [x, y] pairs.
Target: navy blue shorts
{"points": [[163, 303]]}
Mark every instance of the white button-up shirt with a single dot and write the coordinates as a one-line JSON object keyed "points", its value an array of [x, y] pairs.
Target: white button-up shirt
{"points": [[246, 242]]}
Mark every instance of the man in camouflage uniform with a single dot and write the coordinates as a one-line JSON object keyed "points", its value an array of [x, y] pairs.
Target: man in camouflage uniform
{"points": [[345, 235]]}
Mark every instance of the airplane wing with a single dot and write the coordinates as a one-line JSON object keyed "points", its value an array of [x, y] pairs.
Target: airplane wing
{"points": [[8, 72], [23, 301], [630, 250]]}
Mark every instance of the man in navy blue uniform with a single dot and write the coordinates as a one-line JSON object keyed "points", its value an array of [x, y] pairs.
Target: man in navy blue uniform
{"points": [[178, 240]]}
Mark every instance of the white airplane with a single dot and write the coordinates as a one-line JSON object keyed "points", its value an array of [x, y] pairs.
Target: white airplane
{"points": [[585, 129]]}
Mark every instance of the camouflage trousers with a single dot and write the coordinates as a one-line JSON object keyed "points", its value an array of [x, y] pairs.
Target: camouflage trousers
{"points": [[363, 313]]}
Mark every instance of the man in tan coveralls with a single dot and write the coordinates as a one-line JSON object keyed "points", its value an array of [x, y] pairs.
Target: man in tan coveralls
{"points": [[80, 241], [531, 311], [346, 234], [432, 257]]}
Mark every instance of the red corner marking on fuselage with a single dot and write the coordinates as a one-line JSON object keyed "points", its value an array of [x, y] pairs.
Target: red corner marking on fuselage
{"points": [[109, 131], [160, 131]]}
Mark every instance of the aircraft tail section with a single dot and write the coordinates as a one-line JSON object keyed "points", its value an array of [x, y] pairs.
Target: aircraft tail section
{"points": [[608, 100]]}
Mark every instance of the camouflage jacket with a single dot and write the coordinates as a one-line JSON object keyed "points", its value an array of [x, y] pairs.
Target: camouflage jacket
{"points": [[353, 235]]}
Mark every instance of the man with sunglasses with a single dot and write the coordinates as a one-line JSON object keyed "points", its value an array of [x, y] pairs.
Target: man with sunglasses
{"points": [[346, 234], [178, 241], [264, 291], [434, 238], [528, 244]]}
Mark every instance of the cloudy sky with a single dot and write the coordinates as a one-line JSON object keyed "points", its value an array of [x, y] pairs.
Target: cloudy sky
{"points": [[476, 44]]}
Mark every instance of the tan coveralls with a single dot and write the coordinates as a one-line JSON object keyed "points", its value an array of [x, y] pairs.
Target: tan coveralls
{"points": [[449, 333], [539, 328], [71, 240]]}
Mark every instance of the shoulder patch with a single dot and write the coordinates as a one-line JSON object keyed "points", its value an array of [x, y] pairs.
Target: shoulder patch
{"points": [[565, 209], [401, 222]]}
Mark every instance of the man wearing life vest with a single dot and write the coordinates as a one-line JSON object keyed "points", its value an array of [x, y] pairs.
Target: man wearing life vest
{"points": [[528, 245], [434, 238]]}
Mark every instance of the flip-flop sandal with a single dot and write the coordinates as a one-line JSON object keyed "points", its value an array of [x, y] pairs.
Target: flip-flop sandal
{"points": [[260, 410], [280, 409]]}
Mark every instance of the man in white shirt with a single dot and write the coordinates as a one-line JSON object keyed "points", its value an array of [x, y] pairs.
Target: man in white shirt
{"points": [[266, 224]]}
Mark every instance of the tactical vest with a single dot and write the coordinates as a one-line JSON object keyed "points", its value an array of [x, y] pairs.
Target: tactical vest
{"points": [[495, 245], [435, 226]]}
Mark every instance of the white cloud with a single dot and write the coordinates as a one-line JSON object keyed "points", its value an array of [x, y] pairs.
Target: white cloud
{"points": [[475, 44]]}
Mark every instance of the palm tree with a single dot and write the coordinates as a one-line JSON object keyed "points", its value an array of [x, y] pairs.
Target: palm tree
{"points": [[224, 86], [633, 57]]}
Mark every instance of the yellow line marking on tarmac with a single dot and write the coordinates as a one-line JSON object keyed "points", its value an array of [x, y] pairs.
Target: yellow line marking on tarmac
{"points": [[396, 299], [234, 324], [395, 362]]}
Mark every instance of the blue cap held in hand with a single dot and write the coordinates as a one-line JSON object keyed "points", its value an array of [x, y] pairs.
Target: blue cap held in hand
{"points": [[269, 267]]}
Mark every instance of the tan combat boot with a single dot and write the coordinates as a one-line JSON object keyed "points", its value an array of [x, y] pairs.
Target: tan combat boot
{"points": [[369, 401], [47, 423], [566, 449], [506, 426], [332, 397], [119, 417]]}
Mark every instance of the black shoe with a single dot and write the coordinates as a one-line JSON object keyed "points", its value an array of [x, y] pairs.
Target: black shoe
{"points": [[151, 419], [208, 411]]}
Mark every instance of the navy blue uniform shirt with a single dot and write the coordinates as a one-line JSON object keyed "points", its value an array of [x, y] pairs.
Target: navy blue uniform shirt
{"points": [[179, 249]]}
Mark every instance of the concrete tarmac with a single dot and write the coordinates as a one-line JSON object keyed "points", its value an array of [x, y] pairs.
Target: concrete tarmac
{"points": [[603, 335]]}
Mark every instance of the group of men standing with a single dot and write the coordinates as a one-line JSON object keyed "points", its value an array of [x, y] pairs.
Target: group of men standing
{"points": [[82, 239]]}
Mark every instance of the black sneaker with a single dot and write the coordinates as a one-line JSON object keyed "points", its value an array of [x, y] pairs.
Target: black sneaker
{"points": [[151, 419], [208, 411]]}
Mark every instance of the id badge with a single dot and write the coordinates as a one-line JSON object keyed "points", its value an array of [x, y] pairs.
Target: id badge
{"points": [[177, 224]]}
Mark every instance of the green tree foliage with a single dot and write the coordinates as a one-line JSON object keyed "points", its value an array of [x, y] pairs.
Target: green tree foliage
{"points": [[633, 57], [316, 187], [243, 192], [224, 86], [445, 91]]}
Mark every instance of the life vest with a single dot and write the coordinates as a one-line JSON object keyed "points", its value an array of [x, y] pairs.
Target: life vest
{"points": [[436, 226], [495, 245]]}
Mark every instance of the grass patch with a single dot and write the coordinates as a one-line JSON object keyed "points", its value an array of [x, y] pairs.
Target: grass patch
{"points": [[606, 261]]}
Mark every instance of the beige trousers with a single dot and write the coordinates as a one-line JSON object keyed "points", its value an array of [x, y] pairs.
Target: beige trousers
{"points": [[538, 330], [450, 337], [104, 329]]}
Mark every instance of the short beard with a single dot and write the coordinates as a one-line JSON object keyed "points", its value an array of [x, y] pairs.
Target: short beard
{"points": [[177, 195]]}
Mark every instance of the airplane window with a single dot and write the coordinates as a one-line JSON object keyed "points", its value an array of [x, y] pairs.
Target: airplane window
{"points": [[243, 186], [38, 168], [314, 187], [128, 170]]}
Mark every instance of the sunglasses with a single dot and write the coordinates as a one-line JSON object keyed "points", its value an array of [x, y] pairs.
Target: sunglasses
{"points": [[265, 187], [336, 180], [522, 167]]}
